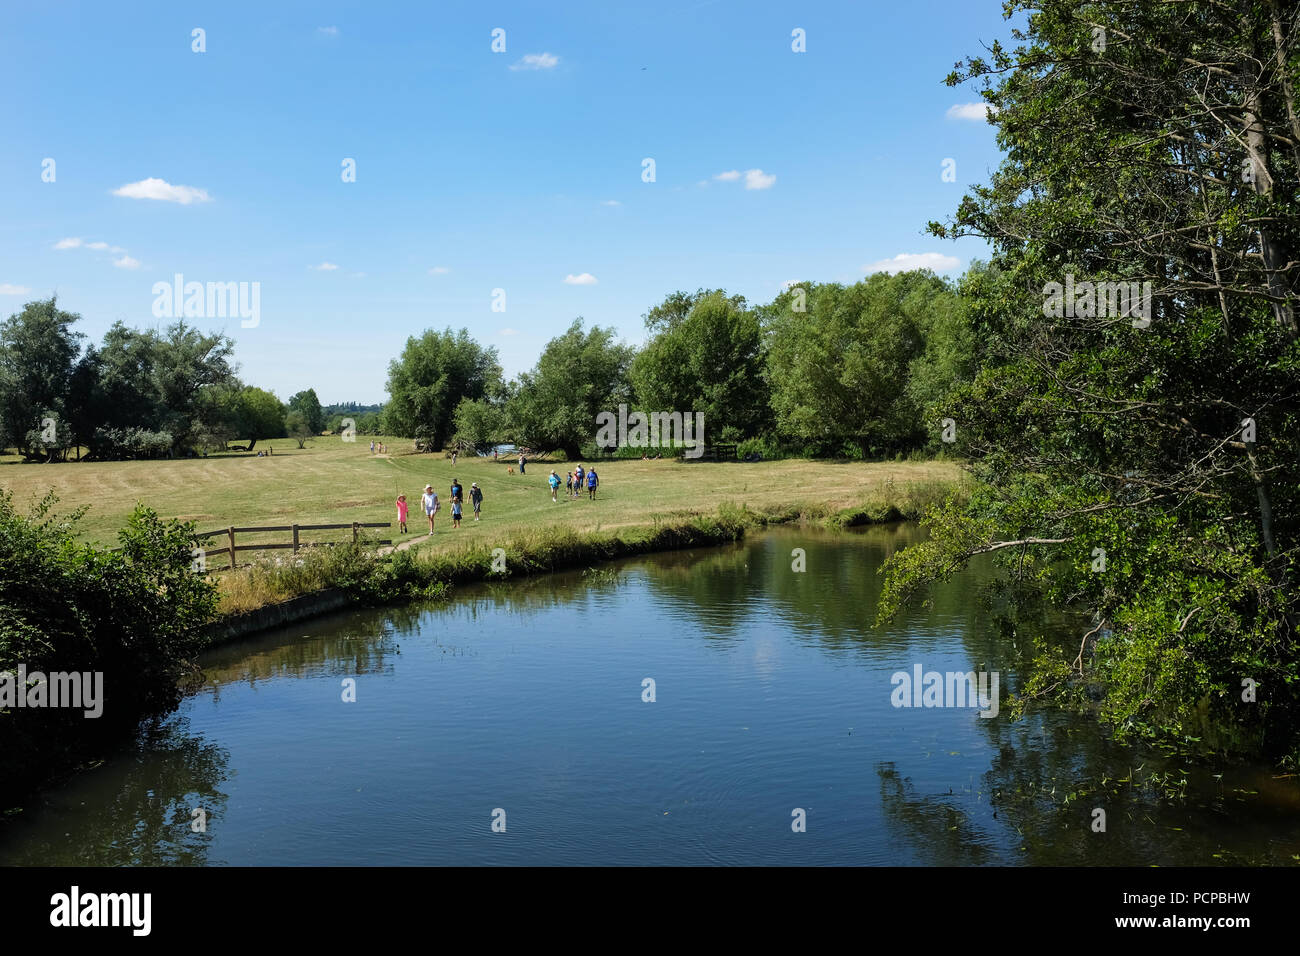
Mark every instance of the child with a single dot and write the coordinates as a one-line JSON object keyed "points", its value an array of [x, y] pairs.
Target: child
{"points": [[401, 513], [476, 497], [568, 486], [455, 512]]}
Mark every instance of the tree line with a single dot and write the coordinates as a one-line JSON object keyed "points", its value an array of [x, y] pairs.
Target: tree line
{"points": [[138, 394], [823, 370]]}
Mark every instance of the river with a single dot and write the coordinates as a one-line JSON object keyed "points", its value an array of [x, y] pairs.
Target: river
{"points": [[514, 725]]}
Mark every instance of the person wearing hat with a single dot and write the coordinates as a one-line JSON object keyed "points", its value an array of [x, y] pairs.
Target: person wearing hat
{"points": [[475, 497], [429, 501]]}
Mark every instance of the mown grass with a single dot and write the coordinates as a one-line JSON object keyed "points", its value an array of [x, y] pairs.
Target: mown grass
{"points": [[640, 506], [335, 482], [371, 575]]}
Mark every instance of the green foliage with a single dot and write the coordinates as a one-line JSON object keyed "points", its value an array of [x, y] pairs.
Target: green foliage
{"points": [[706, 356], [853, 369], [579, 374], [258, 414], [1092, 432], [135, 615], [309, 406], [431, 377]]}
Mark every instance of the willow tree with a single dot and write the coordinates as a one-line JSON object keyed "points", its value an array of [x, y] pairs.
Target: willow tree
{"points": [[1139, 457]]}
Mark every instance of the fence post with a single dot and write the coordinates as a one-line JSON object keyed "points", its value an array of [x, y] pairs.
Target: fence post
{"points": [[295, 539], [231, 532], [354, 532]]}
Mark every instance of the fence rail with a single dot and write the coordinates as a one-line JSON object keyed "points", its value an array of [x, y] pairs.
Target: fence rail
{"points": [[296, 544]]}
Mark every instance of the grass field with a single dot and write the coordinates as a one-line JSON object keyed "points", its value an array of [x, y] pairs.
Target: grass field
{"points": [[332, 481]]}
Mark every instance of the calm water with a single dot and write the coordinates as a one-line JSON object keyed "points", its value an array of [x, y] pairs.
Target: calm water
{"points": [[772, 693]]}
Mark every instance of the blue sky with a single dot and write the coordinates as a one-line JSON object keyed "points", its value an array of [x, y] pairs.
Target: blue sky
{"points": [[475, 170]]}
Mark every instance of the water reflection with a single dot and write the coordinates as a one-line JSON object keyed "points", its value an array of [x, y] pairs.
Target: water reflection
{"points": [[773, 693]]}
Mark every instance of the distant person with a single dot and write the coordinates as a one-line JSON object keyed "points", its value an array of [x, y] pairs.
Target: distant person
{"points": [[592, 482], [372, 446], [554, 482], [401, 513], [455, 512], [429, 501], [454, 455], [522, 461], [476, 498], [494, 454]]}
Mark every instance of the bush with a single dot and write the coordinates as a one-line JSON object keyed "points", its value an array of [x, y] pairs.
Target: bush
{"points": [[134, 615]]}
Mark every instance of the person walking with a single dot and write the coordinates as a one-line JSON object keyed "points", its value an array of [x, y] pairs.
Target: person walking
{"points": [[522, 461], [476, 498], [455, 512], [429, 501], [568, 486], [578, 475], [457, 492], [454, 453], [592, 482], [554, 482], [372, 446], [401, 513]]}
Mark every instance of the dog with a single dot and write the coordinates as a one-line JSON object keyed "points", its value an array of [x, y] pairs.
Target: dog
{"points": [[510, 470]]}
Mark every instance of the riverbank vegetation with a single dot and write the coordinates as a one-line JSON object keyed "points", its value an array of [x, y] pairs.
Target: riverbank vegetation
{"points": [[1141, 464]]}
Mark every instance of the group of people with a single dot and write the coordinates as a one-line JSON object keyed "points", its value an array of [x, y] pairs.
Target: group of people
{"points": [[377, 446], [574, 483], [431, 505]]}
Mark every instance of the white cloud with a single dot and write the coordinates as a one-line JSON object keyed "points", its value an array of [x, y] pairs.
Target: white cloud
{"points": [[97, 245], [8, 289], [906, 261], [536, 61], [69, 243], [508, 332], [730, 176], [611, 202], [976, 112], [757, 179], [163, 190], [328, 31], [439, 271], [324, 267], [585, 278], [126, 262]]}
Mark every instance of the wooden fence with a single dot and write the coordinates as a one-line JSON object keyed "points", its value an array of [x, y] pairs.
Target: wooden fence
{"points": [[296, 543]]}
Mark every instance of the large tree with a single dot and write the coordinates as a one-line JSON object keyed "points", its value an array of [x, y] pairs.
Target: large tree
{"points": [[706, 355], [309, 405], [1141, 457], [429, 379], [579, 375], [38, 354], [839, 360]]}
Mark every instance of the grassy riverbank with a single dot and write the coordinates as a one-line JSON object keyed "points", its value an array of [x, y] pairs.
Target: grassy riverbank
{"points": [[431, 570], [331, 481], [641, 506]]}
